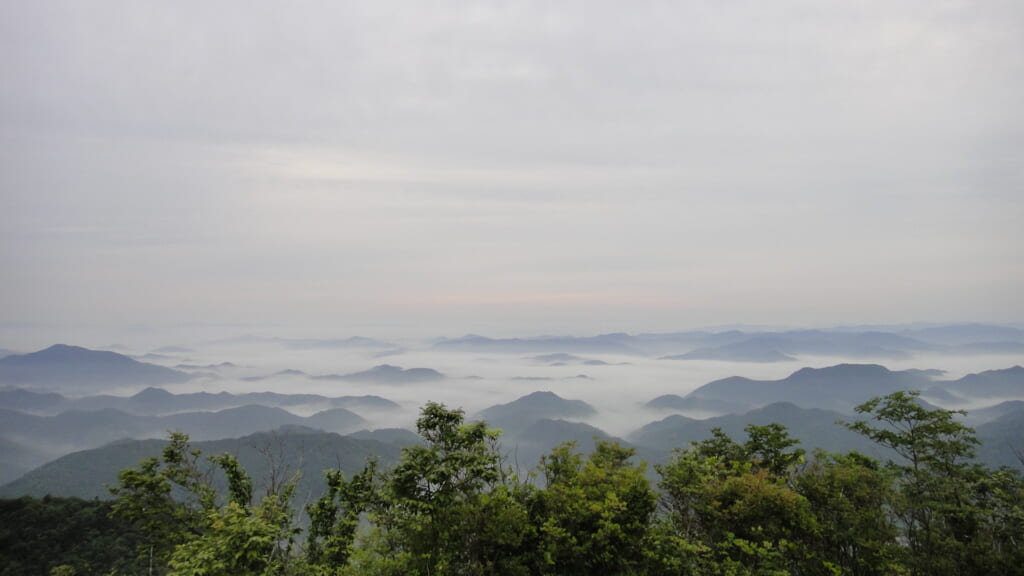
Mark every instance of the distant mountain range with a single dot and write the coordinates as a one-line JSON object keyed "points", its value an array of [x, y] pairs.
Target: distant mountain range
{"points": [[605, 343], [79, 429], [532, 425], [838, 388], [814, 428], [311, 343], [158, 402], [80, 369], [88, 474], [85, 473], [387, 374], [763, 346]]}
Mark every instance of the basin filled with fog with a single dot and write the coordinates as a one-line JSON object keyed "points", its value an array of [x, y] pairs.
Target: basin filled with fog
{"points": [[656, 392]]}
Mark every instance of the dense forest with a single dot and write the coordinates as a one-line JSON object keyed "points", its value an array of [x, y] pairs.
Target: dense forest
{"points": [[452, 505]]}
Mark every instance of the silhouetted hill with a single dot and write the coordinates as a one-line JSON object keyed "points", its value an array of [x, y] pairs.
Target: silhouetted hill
{"points": [[397, 436], [980, 416], [526, 410], [837, 388], [32, 401], [752, 350], [17, 458], [388, 374], [674, 402], [80, 429], [87, 474], [524, 448], [73, 367], [1002, 440], [604, 343], [340, 420], [964, 334], [157, 401], [1006, 383], [814, 428]]}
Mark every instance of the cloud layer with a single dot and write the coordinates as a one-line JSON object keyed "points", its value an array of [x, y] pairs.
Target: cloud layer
{"points": [[438, 167]]}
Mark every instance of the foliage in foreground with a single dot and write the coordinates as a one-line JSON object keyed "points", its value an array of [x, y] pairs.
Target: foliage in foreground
{"points": [[763, 507]]}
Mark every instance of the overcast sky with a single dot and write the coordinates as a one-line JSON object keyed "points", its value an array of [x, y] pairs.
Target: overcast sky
{"points": [[437, 168]]}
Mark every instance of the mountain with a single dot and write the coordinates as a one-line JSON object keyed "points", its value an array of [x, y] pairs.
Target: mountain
{"points": [[981, 416], [340, 420], [33, 402], [814, 428], [752, 350], [397, 436], [76, 368], [79, 429], [605, 343], [157, 402], [524, 448], [674, 402], [838, 388], [280, 454], [1006, 383], [17, 458], [388, 374], [351, 342], [964, 334], [526, 410], [753, 345], [1002, 440]]}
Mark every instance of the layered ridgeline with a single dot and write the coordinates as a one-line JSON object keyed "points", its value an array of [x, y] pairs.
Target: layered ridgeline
{"points": [[765, 345], [83, 370], [38, 427], [448, 504], [80, 370], [840, 388], [271, 457], [530, 426]]}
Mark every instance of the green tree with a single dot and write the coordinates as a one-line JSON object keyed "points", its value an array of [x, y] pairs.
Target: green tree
{"points": [[849, 496], [728, 509], [593, 516], [936, 502], [173, 501], [447, 508], [335, 516]]}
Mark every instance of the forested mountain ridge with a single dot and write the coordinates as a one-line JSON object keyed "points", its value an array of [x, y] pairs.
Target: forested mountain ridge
{"points": [[449, 505]]}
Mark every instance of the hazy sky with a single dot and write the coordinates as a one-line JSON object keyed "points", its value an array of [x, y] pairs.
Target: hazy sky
{"points": [[510, 167]]}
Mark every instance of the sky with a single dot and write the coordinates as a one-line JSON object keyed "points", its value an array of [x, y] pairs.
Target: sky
{"points": [[510, 168]]}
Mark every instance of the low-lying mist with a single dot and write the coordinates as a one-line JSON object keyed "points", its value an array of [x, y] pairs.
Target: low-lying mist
{"points": [[616, 385]]}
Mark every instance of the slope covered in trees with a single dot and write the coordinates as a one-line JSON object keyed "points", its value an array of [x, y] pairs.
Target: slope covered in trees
{"points": [[452, 506]]}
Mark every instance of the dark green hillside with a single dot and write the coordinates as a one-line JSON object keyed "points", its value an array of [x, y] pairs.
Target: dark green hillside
{"points": [[37, 536], [812, 427], [87, 474]]}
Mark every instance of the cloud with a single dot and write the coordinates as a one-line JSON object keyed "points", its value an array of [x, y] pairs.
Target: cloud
{"points": [[527, 162]]}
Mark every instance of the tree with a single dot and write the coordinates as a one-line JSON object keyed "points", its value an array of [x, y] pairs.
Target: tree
{"points": [[334, 517], [728, 509], [446, 507], [935, 503], [594, 515], [849, 495], [173, 501]]}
